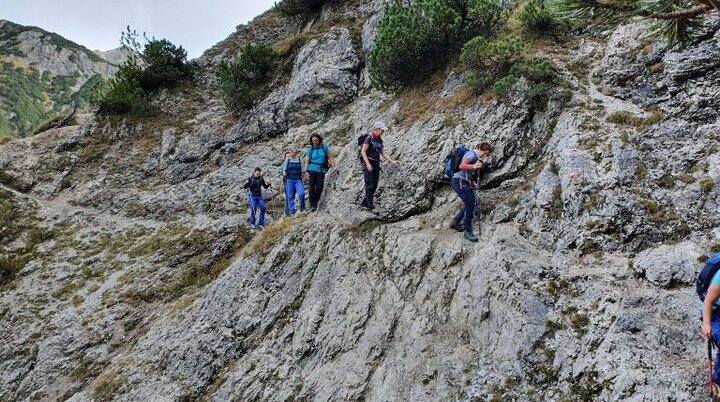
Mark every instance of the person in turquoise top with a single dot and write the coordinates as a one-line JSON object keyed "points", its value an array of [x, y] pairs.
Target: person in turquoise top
{"points": [[318, 160], [711, 319]]}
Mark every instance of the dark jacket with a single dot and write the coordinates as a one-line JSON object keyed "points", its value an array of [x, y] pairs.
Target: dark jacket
{"points": [[255, 185]]}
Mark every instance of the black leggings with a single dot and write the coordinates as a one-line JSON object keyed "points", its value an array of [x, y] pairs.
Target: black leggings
{"points": [[317, 182], [371, 185]]}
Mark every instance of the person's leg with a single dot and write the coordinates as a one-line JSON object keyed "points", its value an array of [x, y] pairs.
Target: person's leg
{"points": [[251, 201], [312, 189], [368, 177], [469, 201], [300, 191], [261, 204], [320, 185], [375, 178], [290, 196], [457, 220]]}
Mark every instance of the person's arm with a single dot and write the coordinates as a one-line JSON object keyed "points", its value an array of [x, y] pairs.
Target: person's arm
{"points": [[284, 169], [307, 161], [388, 158], [264, 183], [710, 298], [466, 165], [363, 152], [247, 183]]}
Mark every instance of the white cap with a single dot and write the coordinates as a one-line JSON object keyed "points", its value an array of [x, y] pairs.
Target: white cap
{"points": [[381, 125]]}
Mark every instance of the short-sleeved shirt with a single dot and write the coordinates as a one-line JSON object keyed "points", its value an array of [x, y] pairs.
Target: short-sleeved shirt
{"points": [[716, 281], [471, 157], [374, 149], [317, 156]]}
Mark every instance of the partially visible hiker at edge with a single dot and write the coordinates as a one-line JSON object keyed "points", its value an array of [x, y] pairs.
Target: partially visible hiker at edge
{"points": [[464, 184], [708, 289], [292, 171], [254, 185], [318, 161], [370, 152]]}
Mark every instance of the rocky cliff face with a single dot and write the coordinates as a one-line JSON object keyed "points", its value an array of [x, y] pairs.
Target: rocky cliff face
{"points": [[134, 277], [43, 73]]}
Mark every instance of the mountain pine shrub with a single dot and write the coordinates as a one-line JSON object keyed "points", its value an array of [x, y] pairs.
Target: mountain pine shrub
{"points": [[242, 82], [295, 7], [490, 59], [415, 38], [156, 64], [537, 20], [498, 64]]}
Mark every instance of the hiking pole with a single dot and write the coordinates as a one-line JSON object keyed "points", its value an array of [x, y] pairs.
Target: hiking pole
{"points": [[710, 369], [285, 192]]}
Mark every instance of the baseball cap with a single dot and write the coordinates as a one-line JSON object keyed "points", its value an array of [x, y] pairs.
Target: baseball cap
{"points": [[381, 125]]}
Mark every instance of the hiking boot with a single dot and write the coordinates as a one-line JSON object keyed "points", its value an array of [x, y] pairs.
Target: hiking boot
{"points": [[469, 235], [313, 209], [457, 227], [252, 226], [261, 227]]}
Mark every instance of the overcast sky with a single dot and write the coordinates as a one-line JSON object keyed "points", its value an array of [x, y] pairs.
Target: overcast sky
{"points": [[97, 24]]}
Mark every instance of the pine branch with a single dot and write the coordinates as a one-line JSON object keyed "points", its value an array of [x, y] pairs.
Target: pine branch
{"points": [[680, 14]]}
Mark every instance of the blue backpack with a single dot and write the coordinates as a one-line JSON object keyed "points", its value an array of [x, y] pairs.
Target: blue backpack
{"points": [[453, 160], [704, 279]]}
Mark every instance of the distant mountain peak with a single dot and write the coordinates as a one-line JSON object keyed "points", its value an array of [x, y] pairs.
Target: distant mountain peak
{"points": [[58, 71]]}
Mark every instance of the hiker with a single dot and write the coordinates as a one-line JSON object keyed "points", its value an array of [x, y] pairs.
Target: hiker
{"points": [[292, 173], [708, 288], [254, 185], [318, 161], [464, 183], [371, 149]]}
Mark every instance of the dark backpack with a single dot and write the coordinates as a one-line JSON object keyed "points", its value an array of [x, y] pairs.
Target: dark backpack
{"points": [[360, 141], [704, 279], [453, 160]]}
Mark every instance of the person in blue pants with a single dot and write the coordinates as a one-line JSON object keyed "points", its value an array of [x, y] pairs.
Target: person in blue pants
{"points": [[292, 172], [711, 320], [255, 184], [464, 184]]}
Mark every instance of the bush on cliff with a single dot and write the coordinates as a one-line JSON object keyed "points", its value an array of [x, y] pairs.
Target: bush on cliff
{"points": [[242, 82], [413, 39]]}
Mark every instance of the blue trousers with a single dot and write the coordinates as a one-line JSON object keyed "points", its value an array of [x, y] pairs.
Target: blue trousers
{"points": [[715, 324], [256, 202], [293, 187], [467, 195]]}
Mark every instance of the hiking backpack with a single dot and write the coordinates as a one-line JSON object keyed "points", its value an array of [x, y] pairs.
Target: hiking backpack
{"points": [[361, 141], [453, 160], [704, 279]]}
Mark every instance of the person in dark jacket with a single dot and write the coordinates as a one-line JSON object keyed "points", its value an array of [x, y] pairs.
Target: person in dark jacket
{"points": [[254, 184], [371, 151], [318, 161], [292, 172]]}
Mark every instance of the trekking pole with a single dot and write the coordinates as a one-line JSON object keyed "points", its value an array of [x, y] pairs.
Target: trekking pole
{"points": [[287, 208], [710, 369]]}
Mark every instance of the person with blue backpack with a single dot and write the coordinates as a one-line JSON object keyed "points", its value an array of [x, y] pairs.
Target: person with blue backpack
{"points": [[371, 150], [292, 174], [707, 287], [254, 184], [318, 161], [464, 182]]}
